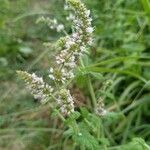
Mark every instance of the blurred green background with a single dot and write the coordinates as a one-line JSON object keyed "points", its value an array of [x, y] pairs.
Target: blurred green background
{"points": [[121, 53]]}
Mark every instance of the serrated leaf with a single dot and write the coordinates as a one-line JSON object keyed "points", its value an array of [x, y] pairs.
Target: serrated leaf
{"points": [[87, 140], [73, 116], [112, 117], [84, 112]]}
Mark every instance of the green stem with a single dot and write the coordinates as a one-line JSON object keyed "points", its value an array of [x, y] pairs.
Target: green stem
{"points": [[75, 127], [59, 114], [146, 6], [91, 90]]}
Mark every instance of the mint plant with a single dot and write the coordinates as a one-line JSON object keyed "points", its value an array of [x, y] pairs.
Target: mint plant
{"points": [[72, 47], [84, 129]]}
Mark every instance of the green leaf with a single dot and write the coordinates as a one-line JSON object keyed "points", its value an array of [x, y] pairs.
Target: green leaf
{"points": [[97, 76], [85, 139], [134, 47], [136, 144], [112, 117], [73, 116], [84, 112], [110, 70]]}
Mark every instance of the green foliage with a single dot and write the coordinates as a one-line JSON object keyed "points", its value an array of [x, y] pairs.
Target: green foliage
{"points": [[120, 53], [136, 144]]}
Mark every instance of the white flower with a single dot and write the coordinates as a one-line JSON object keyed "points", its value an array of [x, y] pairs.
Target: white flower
{"points": [[89, 20], [89, 30], [54, 21], [65, 102], [61, 57], [70, 17], [82, 49], [60, 27], [90, 41], [104, 112], [51, 76], [75, 35], [66, 7], [87, 13], [51, 26], [38, 88], [69, 43], [51, 70]]}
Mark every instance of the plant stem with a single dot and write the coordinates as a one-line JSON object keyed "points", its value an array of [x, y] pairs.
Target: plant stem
{"points": [[146, 6], [59, 114], [91, 90]]}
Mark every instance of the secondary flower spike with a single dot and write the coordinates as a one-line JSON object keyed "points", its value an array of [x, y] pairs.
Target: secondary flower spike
{"points": [[38, 88]]}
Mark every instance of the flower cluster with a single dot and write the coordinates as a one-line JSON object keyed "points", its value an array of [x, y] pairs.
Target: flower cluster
{"points": [[82, 23], [100, 110], [53, 24], [65, 102], [75, 44], [38, 88], [70, 17], [71, 48]]}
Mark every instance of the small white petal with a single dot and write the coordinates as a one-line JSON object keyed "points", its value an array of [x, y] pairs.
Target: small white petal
{"points": [[89, 30], [60, 27]]}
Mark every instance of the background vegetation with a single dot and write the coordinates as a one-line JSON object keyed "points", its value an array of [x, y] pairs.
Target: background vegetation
{"points": [[117, 69]]}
